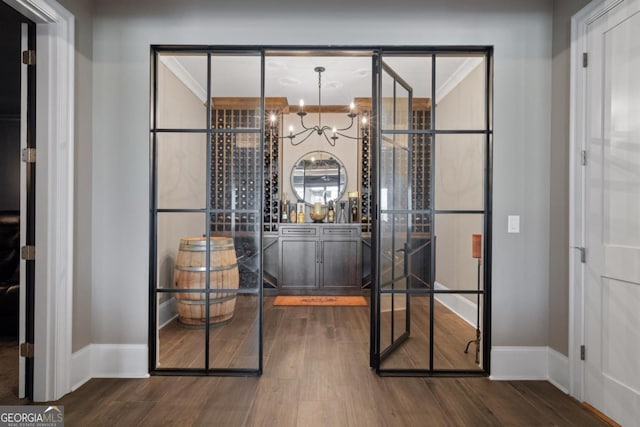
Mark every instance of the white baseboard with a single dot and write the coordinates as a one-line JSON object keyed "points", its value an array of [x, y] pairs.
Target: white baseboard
{"points": [[167, 311], [530, 363], [519, 363], [108, 361], [80, 367], [457, 303], [559, 370], [119, 361]]}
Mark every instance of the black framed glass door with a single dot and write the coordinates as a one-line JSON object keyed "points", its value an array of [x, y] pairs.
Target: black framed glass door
{"points": [[206, 212], [394, 233], [426, 197], [432, 180]]}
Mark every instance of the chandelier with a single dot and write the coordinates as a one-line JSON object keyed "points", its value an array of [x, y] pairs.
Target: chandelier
{"points": [[320, 129]]}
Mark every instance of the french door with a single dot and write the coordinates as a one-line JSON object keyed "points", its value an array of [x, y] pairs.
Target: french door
{"points": [[214, 178], [431, 199]]}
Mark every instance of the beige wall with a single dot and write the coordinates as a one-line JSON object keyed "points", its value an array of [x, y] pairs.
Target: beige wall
{"points": [[559, 175], [181, 169], [459, 180]]}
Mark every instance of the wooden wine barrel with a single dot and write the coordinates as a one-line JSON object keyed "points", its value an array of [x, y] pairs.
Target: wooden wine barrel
{"points": [[190, 273]]}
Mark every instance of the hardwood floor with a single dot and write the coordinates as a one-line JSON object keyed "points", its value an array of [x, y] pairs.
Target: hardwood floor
{"points": [[9, 372], [316, 374]]}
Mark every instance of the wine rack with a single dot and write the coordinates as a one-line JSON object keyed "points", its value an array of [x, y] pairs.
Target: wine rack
{"points": [[236, 165], [421, 171], [420, 168]]}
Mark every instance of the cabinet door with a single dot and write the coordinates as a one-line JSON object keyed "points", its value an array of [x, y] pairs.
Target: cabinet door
{"points": [[299, 259], [340, 263]]}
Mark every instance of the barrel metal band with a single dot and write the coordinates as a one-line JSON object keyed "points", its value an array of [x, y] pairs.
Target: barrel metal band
{"points": [[211, 300], [201, 248], [203, 269]]}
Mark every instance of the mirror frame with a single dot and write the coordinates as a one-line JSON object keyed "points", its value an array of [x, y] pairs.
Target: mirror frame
{"points": [[342, 171]]}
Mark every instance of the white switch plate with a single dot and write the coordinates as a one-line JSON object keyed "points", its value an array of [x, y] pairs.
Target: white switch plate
{"points": [[513, 224]]}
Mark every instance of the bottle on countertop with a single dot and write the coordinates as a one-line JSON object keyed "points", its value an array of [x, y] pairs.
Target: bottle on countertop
{"points": [[331, 213], [293, 217], [285, 209], [301, 215]]}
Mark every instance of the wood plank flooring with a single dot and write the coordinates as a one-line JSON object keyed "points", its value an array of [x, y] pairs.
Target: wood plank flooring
{"points": [[316, 374]]}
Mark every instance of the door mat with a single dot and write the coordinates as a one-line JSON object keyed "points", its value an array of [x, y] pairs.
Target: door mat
{"points": [[335, 301]]}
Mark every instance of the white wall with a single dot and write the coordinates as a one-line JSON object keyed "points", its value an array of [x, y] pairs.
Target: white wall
{"points": [[520, 31]]}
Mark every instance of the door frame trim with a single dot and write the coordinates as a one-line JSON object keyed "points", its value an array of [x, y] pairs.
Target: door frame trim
{"points": [[577, 186], [55, 110]]}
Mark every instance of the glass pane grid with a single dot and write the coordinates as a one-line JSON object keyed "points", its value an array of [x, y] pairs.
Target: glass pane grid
{"points": [[211, 279]]}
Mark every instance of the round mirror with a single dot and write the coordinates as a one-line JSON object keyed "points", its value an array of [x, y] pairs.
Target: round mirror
{"points": [[318, 176]]}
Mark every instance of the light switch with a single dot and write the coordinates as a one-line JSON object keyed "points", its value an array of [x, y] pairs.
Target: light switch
{"points": [[513, 224]]}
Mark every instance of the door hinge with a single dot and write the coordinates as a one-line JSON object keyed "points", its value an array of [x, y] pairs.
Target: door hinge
{"points": [[583, 155], [28, 253], [583, 352], [29, 155], [583, 253], [585, 59], [29, 57], [26, 350]]}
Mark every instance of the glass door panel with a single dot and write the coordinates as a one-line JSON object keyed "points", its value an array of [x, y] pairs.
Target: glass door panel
{"points": [[410, 316], [431, 193], [208, 181], [181, 103], [394, 200]]}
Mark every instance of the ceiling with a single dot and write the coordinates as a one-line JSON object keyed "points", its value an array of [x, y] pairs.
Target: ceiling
{"points": [[293, 77]]}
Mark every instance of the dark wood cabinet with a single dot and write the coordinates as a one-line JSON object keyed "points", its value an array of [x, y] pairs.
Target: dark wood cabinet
{"points": [[320, 257]]}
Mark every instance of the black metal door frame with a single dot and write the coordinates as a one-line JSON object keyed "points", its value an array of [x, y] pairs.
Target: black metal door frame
{"points": [[376, 52], [376, 353]]}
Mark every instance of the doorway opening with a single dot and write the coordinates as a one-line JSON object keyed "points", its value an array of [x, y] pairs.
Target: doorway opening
{"points": [[17, 203], [391, 147]]}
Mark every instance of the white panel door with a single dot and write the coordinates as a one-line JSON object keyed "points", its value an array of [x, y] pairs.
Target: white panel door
{"points": [[612, 281]]}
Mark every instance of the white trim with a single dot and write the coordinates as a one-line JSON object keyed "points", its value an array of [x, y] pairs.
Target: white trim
{"points": [[519, 363], [458, 304], [119, 361], [577, 189], [55, 41], [167, 311], [80, 367], [184, 76], [108, 361], [456, 77], [558, 370], [530, 363]]}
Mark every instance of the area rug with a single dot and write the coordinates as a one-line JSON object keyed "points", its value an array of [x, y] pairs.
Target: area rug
{"points": [[330, 301]]}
